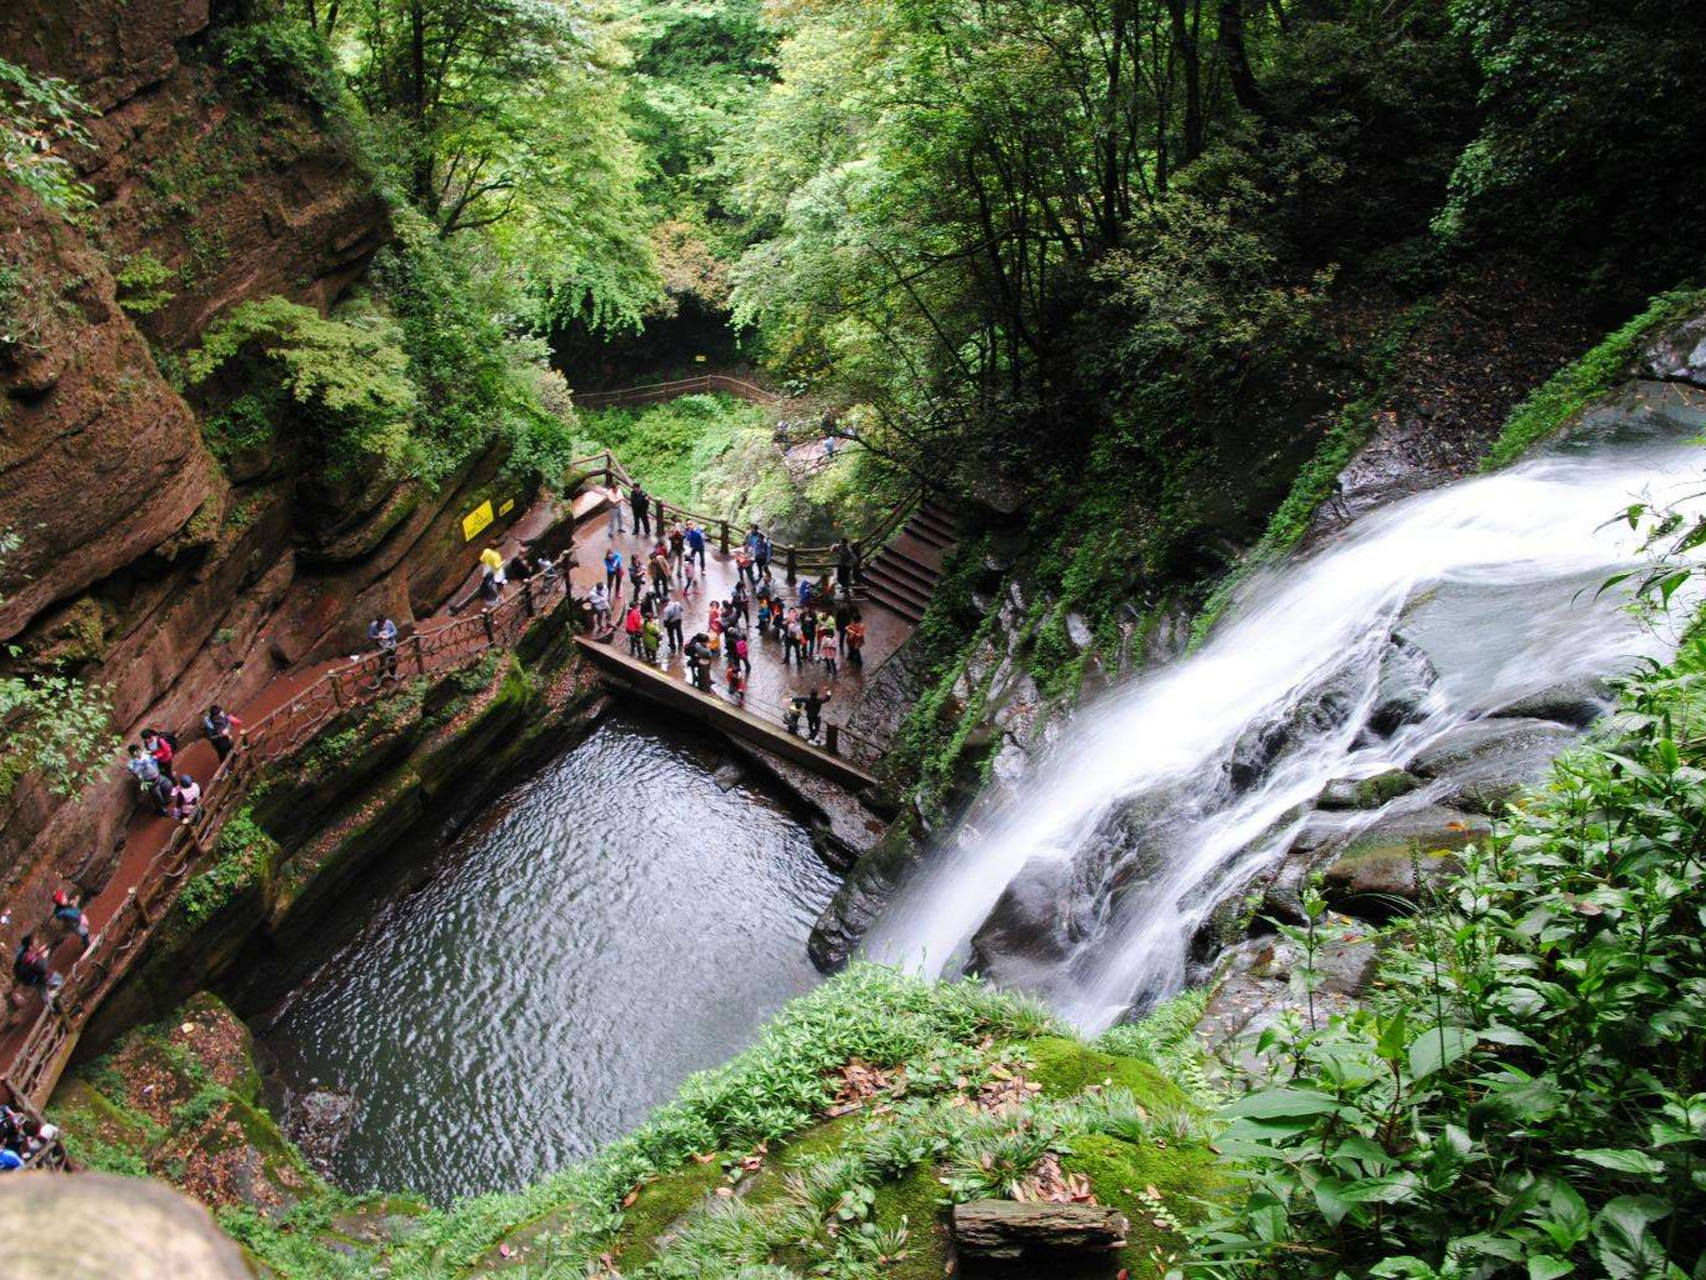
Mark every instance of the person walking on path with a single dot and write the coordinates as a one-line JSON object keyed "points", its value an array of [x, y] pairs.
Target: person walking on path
{"points": [[696, 545], [737, 682], [739, 651], [634, 625], [32, 969], [673, 614], [219, 722], [162, 746], [68, 914], [761, 555], [493, 559], [186, 799], [853, 640], [641, 501], [153, 784], [613, 572], [599, 602], [689, 583]]}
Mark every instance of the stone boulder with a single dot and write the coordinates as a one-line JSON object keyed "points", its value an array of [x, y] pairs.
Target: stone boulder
{"points": [[1577, 703], [1383, 871], [1009, 1231], [1367, 793], [1029, 932], [1406, 679], [1487, 762]]}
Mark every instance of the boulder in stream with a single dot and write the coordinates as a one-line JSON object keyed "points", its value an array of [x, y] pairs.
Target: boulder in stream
{"points": [[1577, 703], [1367, 793], [1486, 762], [1384, 870], [1406, 679], [1028, 934]]}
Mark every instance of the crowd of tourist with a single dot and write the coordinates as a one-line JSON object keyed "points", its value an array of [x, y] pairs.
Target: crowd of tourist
{"points": [[23, 1138], [643, 599]]}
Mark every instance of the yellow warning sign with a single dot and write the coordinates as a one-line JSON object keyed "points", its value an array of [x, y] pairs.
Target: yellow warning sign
{"points": [[476, 520], [507, 507]]}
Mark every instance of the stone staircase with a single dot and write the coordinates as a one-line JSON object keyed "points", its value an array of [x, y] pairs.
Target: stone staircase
{"points": [[902, 576]]}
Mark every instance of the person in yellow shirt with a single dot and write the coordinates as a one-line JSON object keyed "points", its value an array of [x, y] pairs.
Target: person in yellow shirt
{"points": [[493, 559]]}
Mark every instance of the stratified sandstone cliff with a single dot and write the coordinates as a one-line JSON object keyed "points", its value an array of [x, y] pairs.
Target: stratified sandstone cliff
{"points": [[144, 565]]}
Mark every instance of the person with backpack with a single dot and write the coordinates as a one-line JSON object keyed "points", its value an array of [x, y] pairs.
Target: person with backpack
{"points": [[641, 501], [739, 652], [634, 624], [674, 612], [68, 914], [220, 723], [186, 799], [737, 682], [613, 572], [162, 746], [32, 967]]}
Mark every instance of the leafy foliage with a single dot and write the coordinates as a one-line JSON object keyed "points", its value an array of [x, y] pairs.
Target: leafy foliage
{"points": [[37, 114], [1527, 1090]]}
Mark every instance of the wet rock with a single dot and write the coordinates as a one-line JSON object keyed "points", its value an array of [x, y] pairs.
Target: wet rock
{"points": [[1261, 744], [1679, 354], [1255, 989], [319, 1122], [1367, 793], [1487, 762], [1029, 932], [1407, 677], [1036, 1230], [1384, 871], [1577, 703], [728, 776]]}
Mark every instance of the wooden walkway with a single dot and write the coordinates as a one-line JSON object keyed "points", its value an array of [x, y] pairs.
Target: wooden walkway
{"points": [[654, 392]]}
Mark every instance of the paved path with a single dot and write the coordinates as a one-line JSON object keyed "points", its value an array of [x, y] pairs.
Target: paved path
{"points": [[773, 682]]}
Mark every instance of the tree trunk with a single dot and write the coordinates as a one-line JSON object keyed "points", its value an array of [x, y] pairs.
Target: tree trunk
{"points": [[1185, 42], [1024, 1231], [1230, 37], [426, 194]]}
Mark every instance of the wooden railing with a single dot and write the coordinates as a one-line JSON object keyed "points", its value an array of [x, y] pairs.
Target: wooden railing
{"points": [[795, 560], [34, 1070], [656, 391]]}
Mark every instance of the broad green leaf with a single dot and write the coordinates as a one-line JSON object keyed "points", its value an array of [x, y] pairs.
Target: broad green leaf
{"points": [[1547, 1266], [1280, 1102], [1624, 1160], [1438, 1047]]}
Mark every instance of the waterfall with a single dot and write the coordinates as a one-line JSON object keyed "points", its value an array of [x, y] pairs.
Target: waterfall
{"points": [[1176, 790]]}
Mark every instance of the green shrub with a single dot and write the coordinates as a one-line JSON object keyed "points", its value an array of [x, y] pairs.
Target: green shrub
{"points": [[280, 58], [139, 279], [243, 854]]}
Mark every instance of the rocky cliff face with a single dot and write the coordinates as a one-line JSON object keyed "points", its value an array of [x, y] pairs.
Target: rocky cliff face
{"points": [[144, 564]]}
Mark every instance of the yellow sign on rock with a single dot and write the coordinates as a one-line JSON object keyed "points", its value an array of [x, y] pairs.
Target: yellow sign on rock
{"points": [[476, 520], [507, 506]]}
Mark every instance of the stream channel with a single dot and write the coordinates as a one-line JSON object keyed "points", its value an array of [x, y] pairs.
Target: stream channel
{"points": [[621, 919]]}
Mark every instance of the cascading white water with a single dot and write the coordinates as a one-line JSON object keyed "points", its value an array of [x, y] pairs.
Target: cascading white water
{"points": [[1486, 575]]}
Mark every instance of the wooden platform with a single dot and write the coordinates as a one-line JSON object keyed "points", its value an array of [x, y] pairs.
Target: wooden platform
{"points": [[722, 714]]}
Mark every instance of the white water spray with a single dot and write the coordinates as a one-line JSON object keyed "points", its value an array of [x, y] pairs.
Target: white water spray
{"points": [[1487, 576]]}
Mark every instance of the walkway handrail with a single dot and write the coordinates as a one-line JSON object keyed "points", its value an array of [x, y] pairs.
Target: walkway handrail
{"points": [[699, 384], [795, 559], [34, 1071]]}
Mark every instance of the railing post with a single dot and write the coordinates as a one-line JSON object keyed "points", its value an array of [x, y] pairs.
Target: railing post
{"points": [[527, 597], [658, 509], [491, 635], [337, 689], [420, 655], [793, 569], [832, 739], [725, 536]]}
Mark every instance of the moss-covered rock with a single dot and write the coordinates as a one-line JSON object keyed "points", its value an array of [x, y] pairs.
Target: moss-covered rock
{"points": [[1159, 1186], [1066, 1068]]}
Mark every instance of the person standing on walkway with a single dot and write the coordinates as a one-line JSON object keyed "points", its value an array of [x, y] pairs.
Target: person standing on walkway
{"points": [[68, 915], [660, 574], [677, 546], [641, 501], [636, 578], [699, 661], [32, 968], [738, 649], [696, 545], [826, 647], [741, 601], [743, 565], [844, 560], [634, 625], [763, 616], [219, 722], [650, 637], [854, 641], [613, 526], [613, 572], [673, 614], [155, 787], [737, 682], [689, 583], [808, 632], [598, 600], [792, 638], [814, 703], [761, 555], [493, 559], [381, 632], [162, 746], [714, 627]]}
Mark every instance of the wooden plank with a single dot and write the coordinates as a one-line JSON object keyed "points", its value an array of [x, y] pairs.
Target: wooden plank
{"points": [[680, 696]]}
